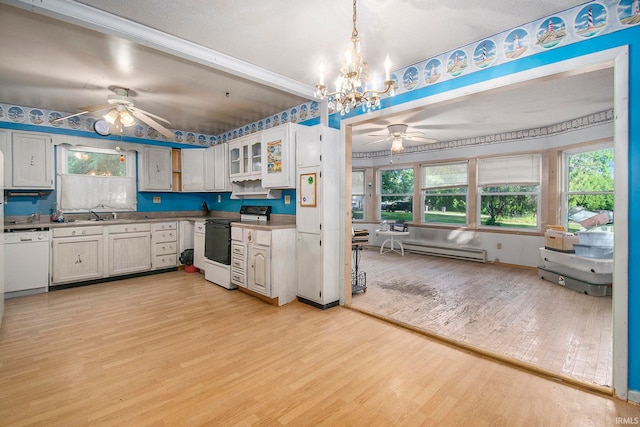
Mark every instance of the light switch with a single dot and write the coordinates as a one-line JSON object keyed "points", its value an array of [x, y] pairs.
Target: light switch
{"points": [[156, 199]]}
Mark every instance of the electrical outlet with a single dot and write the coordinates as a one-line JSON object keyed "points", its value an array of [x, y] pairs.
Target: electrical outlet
{"points": [[287, 199], [156, 199]]}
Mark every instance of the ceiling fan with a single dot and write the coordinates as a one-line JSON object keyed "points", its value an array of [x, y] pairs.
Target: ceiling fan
{"points": [[122, 113], [398, 133]]}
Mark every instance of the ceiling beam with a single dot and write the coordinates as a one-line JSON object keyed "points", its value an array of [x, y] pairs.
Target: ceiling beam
{"points": [[98, 20]]}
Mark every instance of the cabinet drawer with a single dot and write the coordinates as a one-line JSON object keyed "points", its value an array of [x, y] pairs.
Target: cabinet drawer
{"points": [[77, 231], [237, 278], [160, 226], [237, 249], [198, 227], [164, 261], [165, 248], [237, 262], [237, 234], [129, 228], [165, 236]]}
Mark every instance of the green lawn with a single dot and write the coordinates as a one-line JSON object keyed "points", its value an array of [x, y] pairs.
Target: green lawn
{"points": [[438, 217]]}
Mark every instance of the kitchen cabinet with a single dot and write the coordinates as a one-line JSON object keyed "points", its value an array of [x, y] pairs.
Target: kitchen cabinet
{"points": [[155, 169], [165, 245], [198, 244], [193, 169], [129, 248], [28, 160], [185, 236], [267, 268], [278, 155], [217, 169], [77, 254], [318, 227], [245, 158]]}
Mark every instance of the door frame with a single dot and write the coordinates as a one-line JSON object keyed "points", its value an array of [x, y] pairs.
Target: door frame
{"points": [[618, 58]]}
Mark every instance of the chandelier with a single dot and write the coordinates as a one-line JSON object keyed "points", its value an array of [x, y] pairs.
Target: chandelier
{"points": [[353, 86]]}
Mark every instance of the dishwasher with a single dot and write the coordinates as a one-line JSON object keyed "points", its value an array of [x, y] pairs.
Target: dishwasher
{"points": [[26, 262]]}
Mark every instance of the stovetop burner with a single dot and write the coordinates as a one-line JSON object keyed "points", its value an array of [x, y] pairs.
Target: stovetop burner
{"points": [[255, 213]]}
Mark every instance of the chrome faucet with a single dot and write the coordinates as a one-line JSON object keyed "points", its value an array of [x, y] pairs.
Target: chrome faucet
{"points": [[98, 217]]}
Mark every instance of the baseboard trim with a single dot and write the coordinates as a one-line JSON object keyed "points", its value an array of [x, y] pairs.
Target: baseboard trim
{"points": [[634, 396], [317, 305], [108, 279]]}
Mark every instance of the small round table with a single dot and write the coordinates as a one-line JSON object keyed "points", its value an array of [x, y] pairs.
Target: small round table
{"points": [[392, 235]]}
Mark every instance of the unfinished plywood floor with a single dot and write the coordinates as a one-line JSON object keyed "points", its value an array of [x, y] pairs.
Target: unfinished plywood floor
{"points": [[505, 310]]}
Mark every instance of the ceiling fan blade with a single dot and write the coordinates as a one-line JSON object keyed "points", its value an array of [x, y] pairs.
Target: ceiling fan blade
{"points": [[95, 108], [149, 121], [380, 140], [426, 140], [85, 110], [72, 115], [146, 113]]}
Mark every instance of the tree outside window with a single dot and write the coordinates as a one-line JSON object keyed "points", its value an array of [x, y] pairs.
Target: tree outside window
{"points": [[444, 187], [357, 194], [396, 198], [509, 191], [589, 189]]}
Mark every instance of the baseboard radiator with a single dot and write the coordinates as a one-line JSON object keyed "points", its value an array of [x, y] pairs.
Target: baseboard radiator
{"points": [[469, 254]]}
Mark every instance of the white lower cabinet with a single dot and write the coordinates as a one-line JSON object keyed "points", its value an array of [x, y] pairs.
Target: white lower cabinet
{"points": [[76, 254], [165, 245], [198, 245], [267, 268], [259, 270], [129, 249]]}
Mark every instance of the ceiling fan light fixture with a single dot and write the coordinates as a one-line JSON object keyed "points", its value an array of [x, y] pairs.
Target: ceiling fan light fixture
{"points": [[396, 146], [126, 119], [111, 116]]}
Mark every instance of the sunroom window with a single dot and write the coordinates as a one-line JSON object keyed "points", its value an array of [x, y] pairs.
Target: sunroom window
{"points": [[444, 189], [509, 191]]}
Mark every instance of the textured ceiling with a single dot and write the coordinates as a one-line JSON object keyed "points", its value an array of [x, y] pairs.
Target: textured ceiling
{"points": [[58, 65]]}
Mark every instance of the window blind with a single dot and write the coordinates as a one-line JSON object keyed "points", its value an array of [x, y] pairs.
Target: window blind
{"points": [[445, 175], [85, 192], [357, 183], [516, 170]]}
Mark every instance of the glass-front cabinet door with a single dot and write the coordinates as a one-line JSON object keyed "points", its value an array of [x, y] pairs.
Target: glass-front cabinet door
{"points": [[246, 159], [256, 157], [234, 159]]}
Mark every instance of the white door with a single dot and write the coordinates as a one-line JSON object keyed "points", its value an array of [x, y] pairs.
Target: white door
{"points": [[76, 259], [129, 253], [309, 267], [259, 273], [193, 166], [221, 174], [198, 250], [308, 148], [32, 160], [156, 168]]}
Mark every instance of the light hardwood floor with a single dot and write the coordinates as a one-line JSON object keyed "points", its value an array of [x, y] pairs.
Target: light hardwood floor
{"points": [[173, 349], [504, 310]]}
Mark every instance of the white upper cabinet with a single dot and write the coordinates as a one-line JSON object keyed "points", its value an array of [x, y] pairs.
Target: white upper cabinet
{"points": [[28, 160], [154, 169], [245, 158], [217, 171], [193, 169], [278, 156]]}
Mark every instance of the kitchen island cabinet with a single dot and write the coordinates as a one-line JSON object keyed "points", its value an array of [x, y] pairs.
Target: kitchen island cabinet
{"points": [[77, 254]]}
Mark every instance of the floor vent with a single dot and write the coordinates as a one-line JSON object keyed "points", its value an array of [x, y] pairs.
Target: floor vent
{"points": [[469, 254]]}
